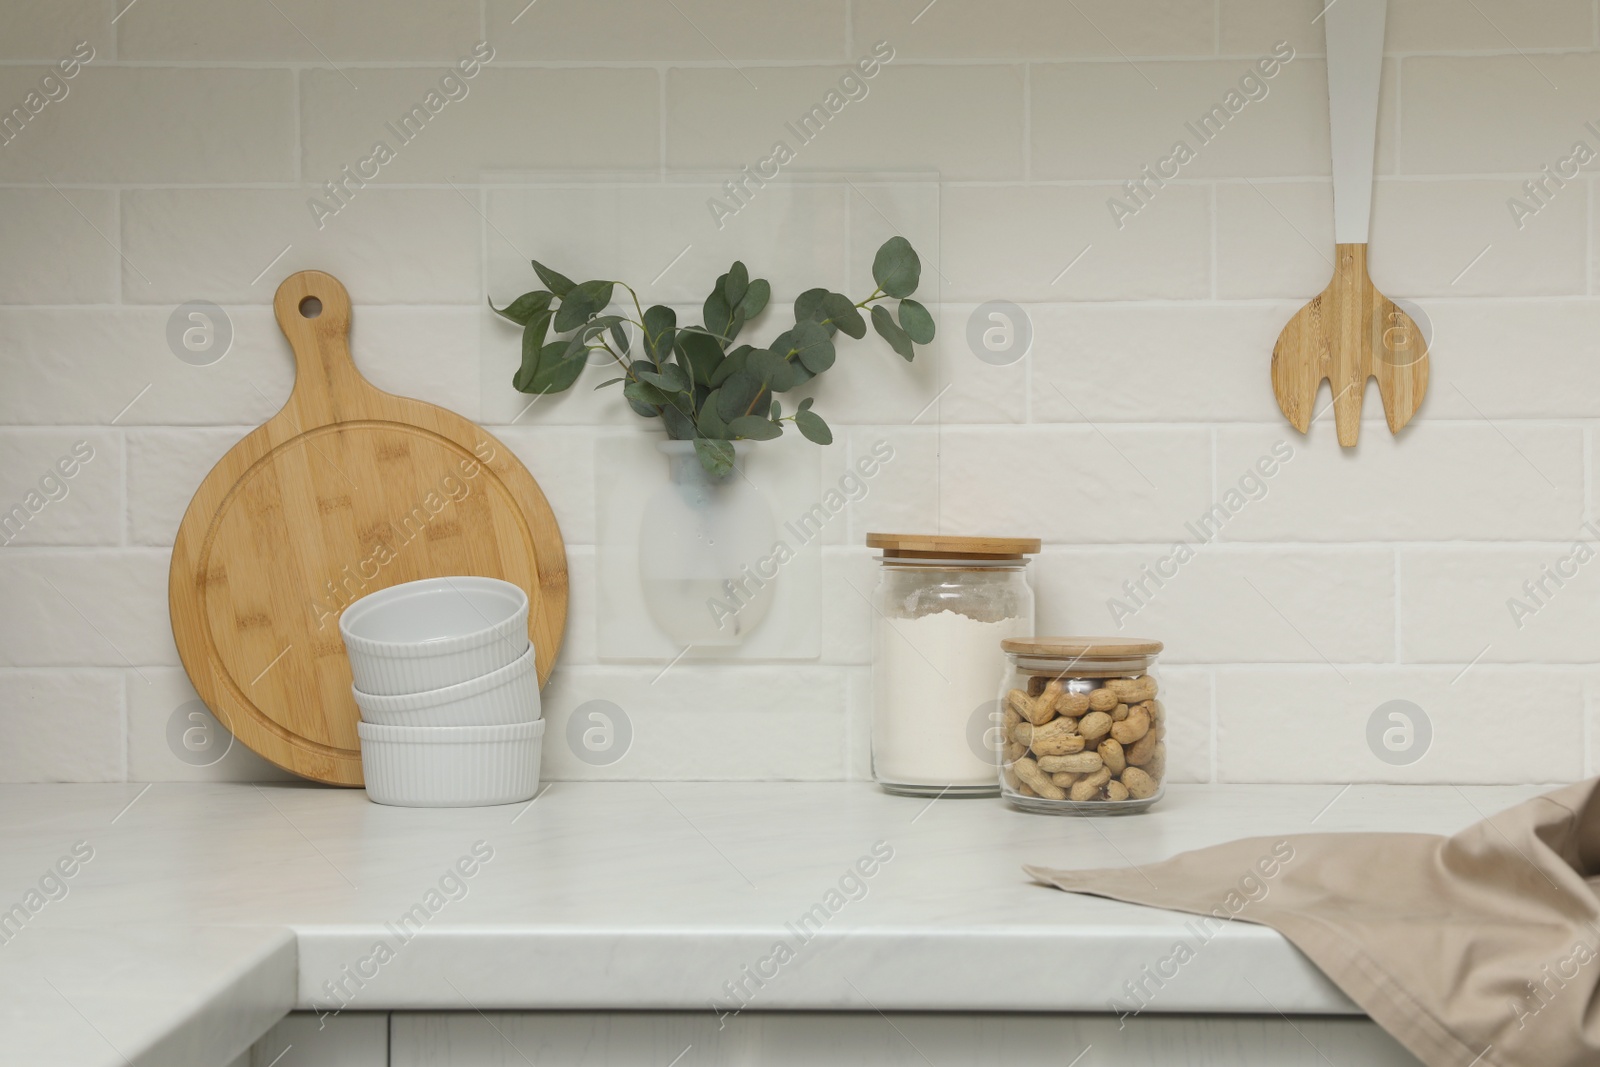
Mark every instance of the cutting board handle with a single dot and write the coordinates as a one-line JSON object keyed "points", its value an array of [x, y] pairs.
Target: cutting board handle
{"points": [[313, 310]]}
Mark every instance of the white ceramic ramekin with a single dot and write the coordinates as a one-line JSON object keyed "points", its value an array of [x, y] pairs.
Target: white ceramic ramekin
{"points": [[499, 698], [450, 766], [433, 633]]}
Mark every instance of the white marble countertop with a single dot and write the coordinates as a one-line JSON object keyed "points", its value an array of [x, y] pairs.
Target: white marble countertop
{"points": [[609, 896]]}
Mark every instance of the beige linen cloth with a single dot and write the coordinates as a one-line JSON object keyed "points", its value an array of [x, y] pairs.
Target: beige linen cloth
{"points": [[1479, 949]]}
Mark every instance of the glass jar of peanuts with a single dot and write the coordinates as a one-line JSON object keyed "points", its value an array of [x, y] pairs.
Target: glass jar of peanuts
{"points": [[1083, 729]]}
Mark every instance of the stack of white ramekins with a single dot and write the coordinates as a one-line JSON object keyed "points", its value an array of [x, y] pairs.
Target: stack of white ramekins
{"points": [[448, 691]]}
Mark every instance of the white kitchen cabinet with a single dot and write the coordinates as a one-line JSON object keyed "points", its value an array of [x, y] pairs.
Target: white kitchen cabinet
{"points": [[827, 1039], [355, 1039]]}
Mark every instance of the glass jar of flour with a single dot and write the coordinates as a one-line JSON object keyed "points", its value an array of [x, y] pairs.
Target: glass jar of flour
{"points": [[940, 610]]}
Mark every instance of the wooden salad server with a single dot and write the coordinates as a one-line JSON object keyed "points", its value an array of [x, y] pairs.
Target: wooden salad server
{"points": [[1351, 332]]}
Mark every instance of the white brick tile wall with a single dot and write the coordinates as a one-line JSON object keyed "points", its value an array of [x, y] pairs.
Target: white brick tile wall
{"points": [[1252, 27], [183, 162], [301, 30], [47, 32], [1422, 25], [60, 246], [154, 124], [1188, 697], [666, 242], [392, 246], [1126, 363], [1309, 724], [1507, 114], [561, 460], [52, 353], [1429, 25], [61, 726], [1544, 340], [704, 30], [61, 487], [165, 467], [1469, 481], [106, 608], [1283, 605], [1140, 110], [961, 121], [1054, 482], [471, 135], [1457, 238], [158, 695], [1274, 239], [1020, 29], [705, 723], [1501, 605], [1024, 243]]}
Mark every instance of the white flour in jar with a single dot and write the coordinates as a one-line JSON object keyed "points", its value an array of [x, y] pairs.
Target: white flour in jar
{"points": [[933, 674]]}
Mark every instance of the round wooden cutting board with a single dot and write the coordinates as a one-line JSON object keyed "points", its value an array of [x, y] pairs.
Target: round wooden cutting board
{"points": [[345, 491]]}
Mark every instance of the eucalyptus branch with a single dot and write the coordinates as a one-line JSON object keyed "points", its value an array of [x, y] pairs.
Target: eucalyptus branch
{"points": [[707, 387]]}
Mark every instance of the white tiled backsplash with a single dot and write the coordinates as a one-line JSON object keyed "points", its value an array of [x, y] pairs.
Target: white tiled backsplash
{"points": [[180, 161]]}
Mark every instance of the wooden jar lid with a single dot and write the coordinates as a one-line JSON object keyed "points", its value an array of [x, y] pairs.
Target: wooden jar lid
{"points": [[1082, 647], [939, 546]]}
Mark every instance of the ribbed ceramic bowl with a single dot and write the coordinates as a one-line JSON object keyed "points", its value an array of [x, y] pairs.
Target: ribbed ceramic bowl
{"points": [[437, 632], [450, 766], [499, 698]]}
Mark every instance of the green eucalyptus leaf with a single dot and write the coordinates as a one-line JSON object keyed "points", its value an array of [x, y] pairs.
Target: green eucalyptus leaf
{"points": [[916, 321], [732, 365], [805, 405], [680, 427], [660, 324], [555, 371], [808, 305], [755, 428], [533, 337], [715, 456], [896, 267], [582, 303], [559, 284], [810, 424], [620, 335], [777, 410], [739, 395], [609, 381], [644, 393], [771, 369], [670, 379], [524, 307], [703, 353], [843, 313], [717, 315], [886, 327], [812, 345], [710, 422], [755, 298], [735, 284], [596, 328]]}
